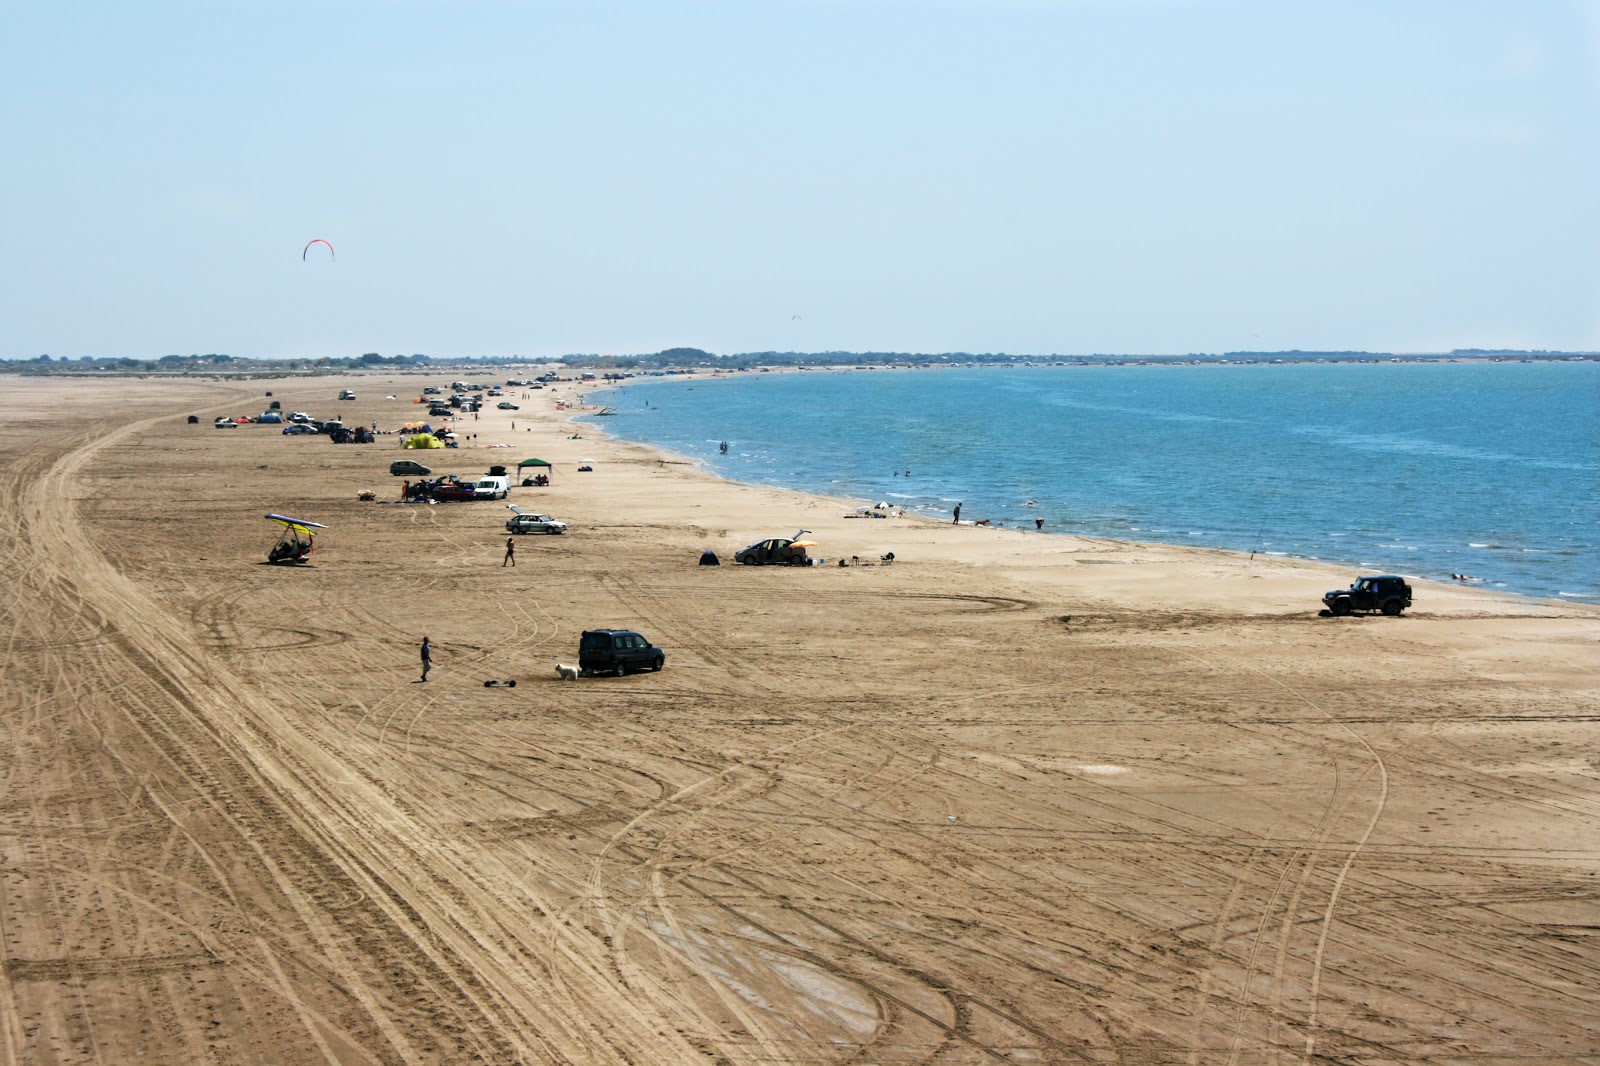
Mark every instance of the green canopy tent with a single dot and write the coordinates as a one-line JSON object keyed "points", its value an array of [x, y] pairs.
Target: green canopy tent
{"points": [[526, 463]]}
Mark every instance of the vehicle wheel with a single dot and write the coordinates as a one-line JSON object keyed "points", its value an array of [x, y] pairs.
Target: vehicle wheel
{"points": [[620, 669], [1392, 608], [795, 560], [655, 667], [748, 560], [1339, 607]]}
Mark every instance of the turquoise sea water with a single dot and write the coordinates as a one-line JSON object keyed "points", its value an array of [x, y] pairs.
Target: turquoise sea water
{"points": [[1428, 470]]}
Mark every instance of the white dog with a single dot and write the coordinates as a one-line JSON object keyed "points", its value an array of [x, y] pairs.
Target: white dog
{"points": [[566, 673]]}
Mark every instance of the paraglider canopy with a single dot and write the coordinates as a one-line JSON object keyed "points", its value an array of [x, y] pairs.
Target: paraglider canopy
{"points": [[317, 240]]}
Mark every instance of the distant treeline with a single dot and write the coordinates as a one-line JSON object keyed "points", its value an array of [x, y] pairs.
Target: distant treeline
{"points": [[213, 364]]}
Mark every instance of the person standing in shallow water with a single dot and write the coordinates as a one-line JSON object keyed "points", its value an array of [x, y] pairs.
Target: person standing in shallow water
{"points": [[427, 657]]}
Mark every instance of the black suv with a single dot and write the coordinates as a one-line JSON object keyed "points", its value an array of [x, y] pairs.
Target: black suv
{"points": [[1385, 593], [616, 651]]}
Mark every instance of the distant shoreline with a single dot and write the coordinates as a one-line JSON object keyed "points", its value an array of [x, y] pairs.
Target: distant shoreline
{"points": [[212, 367]]}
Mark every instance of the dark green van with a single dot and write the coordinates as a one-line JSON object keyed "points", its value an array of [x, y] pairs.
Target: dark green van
{"points": [[617, 651]]}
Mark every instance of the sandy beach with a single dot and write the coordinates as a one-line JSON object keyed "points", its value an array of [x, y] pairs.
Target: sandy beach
{"points": [[1014, 798]]}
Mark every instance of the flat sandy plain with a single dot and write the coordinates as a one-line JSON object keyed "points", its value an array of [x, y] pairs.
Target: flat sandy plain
{"points": [[1016, 798]]}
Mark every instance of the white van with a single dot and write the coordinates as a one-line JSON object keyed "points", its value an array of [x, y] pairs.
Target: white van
{"points": [[492, 487]]}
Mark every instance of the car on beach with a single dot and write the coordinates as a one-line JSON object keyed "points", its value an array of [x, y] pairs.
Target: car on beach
{"points": [[617, 651], [226, 423], [451, 490], [1381, 592], [298, 428], [409, 468], [523, 522], [507, 406], [776, 551]]}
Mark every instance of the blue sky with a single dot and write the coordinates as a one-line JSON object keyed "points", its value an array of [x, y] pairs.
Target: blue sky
{"points": [[537, 178]]}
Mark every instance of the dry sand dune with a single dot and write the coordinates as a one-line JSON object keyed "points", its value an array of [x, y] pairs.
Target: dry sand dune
{"points": [[1015, 798]]}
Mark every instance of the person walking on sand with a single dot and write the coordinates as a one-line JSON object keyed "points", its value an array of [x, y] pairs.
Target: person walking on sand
{"points": [[427, 657], [511, 553], [957, 519]]}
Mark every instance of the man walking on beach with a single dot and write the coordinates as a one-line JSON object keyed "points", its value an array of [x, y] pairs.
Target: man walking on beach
{"points": [[957, 519], [427, 657], [511, 553]]}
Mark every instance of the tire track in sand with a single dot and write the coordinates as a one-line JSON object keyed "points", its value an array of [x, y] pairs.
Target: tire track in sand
{"points": [[465, 915]]}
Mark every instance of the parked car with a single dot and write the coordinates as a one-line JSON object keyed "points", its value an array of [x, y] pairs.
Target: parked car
{"points": [[617, 651], [409, 468], [507, 405], [1383, 592], [298, 428], [347, 394], [523, 522], [300, 416], [776, 551], [226, 423], [454, 490]]}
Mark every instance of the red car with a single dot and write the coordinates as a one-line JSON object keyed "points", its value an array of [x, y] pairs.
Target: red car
{"points": [[454, 491]]}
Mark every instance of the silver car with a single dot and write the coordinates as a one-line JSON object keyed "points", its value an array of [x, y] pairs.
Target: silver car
{"points": [[523, 522]]}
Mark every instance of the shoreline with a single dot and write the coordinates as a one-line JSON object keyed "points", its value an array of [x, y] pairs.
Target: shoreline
{"points": [[1340, 573]]}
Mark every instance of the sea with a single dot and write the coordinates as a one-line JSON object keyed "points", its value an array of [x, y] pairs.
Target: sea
{"points": [[1489, 470]]}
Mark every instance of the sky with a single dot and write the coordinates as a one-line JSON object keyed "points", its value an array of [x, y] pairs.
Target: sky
{"points": [[535, 178]]}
